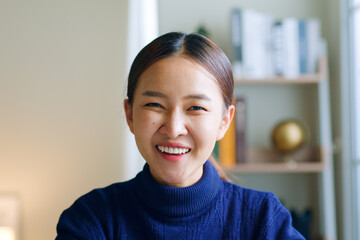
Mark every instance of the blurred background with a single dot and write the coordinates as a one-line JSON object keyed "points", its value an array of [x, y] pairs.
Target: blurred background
{"points": [[63, 72]]}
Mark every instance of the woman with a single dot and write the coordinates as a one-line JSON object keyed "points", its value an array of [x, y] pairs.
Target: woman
{"points": [[180, 90]]}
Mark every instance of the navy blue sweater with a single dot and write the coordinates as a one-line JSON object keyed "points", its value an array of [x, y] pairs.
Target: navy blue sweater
{"points": [[144, 209]]}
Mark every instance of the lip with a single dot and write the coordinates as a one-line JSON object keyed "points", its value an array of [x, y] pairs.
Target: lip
{"points": [[173, 145], [171, 157]]}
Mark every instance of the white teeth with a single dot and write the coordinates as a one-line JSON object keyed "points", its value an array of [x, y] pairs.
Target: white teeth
{"points": [[171, 150]]}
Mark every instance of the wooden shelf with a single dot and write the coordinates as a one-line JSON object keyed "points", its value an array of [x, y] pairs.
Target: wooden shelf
{"points": [[296, 167], [260, 160], [302, 79]]}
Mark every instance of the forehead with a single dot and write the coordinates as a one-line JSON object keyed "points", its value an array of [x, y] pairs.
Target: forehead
{"points": [[176, 70]]}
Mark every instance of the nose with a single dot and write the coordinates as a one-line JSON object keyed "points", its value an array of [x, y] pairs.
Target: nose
{"points": [[174, 124]]}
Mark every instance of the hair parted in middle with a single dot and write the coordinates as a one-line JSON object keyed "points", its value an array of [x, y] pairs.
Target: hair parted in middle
{"points": [[193, 46]]}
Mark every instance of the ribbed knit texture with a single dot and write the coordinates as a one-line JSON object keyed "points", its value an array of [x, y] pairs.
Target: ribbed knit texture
{"points": [[177, 202], [143, 209]]}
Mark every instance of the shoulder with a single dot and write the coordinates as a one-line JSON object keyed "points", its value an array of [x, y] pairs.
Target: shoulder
{"points": [[261, 213], [250, 204], [101, 198], [108, 193], [249, 198], [85, 218]]}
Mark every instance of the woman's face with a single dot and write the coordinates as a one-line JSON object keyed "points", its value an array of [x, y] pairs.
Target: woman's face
{"points": [[177, 115]]}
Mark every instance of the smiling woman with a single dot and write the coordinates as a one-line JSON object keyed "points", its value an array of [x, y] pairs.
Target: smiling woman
{"points": [[177, 106], [180, 89]]}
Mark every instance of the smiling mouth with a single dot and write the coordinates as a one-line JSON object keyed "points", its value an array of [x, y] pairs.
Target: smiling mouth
{"points": [[173, 150]]}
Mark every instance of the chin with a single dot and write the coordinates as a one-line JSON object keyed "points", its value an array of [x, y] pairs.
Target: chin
{"points": [[173, 179]]}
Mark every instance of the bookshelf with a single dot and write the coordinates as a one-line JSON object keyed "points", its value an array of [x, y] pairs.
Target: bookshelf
{"points": [[313, 164], [267, 160]]}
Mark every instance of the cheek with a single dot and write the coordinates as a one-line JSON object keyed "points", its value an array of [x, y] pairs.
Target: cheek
{"points": [[145, 122], [205, 130]]}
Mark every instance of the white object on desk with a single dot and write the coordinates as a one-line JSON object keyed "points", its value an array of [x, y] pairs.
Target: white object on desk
{"points": [[7, 233], [9, 216]]}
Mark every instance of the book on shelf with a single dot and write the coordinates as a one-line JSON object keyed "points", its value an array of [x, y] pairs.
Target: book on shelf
{"points": [[300, 40], [278, 49], [313, 39], [240, 129], [263, 47], [232, 148], [227, 146], [251, 41], [236, 40], [291, 47], [302, 47]]}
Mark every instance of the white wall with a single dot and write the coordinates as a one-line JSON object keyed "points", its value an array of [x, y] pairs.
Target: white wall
{"points": [[62, 74]]}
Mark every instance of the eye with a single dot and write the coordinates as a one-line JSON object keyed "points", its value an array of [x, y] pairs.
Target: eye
{"points": [[152, 104], [197, 108]]}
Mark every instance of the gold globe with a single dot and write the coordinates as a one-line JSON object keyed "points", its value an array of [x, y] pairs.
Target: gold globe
{"points": [[288, 136]]}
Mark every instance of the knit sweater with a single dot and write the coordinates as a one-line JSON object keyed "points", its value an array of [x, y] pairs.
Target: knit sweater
{"points": [[144, 209]]}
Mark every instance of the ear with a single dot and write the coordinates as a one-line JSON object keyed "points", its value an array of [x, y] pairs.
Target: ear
{"points": [[129, 115], [225, 122]]}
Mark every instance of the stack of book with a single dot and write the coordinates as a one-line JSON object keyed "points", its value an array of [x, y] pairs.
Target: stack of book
{"points": [[232, 148], [264, 47]]}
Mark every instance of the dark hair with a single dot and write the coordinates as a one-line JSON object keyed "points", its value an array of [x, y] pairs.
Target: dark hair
{"points": [[196, 47]]}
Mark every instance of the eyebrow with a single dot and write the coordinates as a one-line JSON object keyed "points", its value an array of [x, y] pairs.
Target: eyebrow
{"points": [[154, 94], [191, 96]]}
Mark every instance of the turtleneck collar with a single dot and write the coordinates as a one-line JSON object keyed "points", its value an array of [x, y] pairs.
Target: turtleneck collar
{"points": [[177, 202]]}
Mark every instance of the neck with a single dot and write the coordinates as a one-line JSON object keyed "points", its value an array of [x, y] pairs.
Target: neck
{"points": [[179, 182]]}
